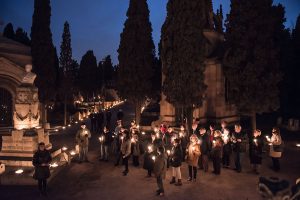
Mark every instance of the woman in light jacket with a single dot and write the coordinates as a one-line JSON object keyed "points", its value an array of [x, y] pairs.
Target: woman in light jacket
{"points": [[193, 153], [276, 148]]}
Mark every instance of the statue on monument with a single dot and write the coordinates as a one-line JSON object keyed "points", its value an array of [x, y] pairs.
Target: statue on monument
{"points": [[29, 77]]}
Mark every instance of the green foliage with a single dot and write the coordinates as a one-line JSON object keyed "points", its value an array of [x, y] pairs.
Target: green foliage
{"points": [[42, 50], [87, 75], [8, 31], [108, 71], [136, 53], [252, 61], [183, 52], [65, 59]]}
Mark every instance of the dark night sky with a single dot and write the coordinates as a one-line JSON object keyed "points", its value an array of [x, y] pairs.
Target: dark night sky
{"points": [[97, 24]]}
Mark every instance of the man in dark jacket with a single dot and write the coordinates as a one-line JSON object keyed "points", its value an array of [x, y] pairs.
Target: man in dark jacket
{"points": [[239, 140], [105, 142], [205, 147], [41, 162], [176, 157], [160, 168]]}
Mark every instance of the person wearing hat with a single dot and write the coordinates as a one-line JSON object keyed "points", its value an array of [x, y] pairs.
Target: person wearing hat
{"points": [[41, 162], [82, 138], [175, 161], [160, 169]]}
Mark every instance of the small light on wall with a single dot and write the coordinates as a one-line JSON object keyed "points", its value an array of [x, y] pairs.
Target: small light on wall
{"points": [[19, 171]]}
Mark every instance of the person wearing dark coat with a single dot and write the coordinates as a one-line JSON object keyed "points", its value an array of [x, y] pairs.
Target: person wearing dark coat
{"points": [[135, 150], [176, 157], [108, 118], [41, 162], [126, 150], [100, 120], [151, 151], [238, 140], [205, 147], [93, 121], [160, 169], [255, 150], [105, 143], [216, 155], [183, 137]]}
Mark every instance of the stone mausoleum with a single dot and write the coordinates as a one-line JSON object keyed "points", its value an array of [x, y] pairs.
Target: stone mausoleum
{"points": [[215, 106], [19, 106]]}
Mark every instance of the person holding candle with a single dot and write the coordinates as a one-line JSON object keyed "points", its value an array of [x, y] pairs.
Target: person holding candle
{"points": [[118, 138], [193, 153], [276, 147], [205, 147], [160, 168], [105, 142], [151, 151], [41, 162], [135, 148], [82, 138], [126, 150], [217, 155], [175, 161], [226, 148], [223, 126], [238, 140], [183, 140], [256, 150]]}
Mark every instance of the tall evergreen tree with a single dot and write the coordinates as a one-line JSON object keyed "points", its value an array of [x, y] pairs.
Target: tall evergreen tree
{"points": [[65, 59], [87, 75], [252, 62], [100, 75], [8, 31], [22, 37], [183, 54], [42, 50], [136, 55], [108, 71]]}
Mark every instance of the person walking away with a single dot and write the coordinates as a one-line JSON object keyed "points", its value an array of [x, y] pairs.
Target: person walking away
{"points": [[175, 161], [160, 169], [105, 142], [41, 162], [239, 140], [226, 148], [82, 138], [217, 155], [193, 153], [276, 148], [256, 150], [126, 150], [205, 147], [135, 146]]}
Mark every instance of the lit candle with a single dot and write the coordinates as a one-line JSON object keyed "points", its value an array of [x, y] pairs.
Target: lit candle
{"points": [[143, 133], [64, 127], [153, 158], [64, 148], [132, 140], [19, 171], [255, 140], [69, 125], [76, 122], [298, 145], [54, 165], [73, 153], [168, 152], [149, 148]]}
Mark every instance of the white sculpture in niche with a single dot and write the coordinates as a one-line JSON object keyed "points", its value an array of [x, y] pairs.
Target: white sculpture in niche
{"points": [[29, 77]]}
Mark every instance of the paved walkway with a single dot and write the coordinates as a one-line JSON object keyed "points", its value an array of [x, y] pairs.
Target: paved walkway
{"points": [[101, 180]]}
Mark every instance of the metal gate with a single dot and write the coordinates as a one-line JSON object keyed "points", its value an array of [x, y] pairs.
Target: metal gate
{"points": [[5, 108]]}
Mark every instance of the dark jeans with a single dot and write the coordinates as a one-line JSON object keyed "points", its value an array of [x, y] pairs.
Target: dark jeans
{"points": [[237, 161], [276, 164], [217, 165], [42, 185], [226, 159], [135, 160], [125, 162], [203, 162], [192, 172], [160, 184]]}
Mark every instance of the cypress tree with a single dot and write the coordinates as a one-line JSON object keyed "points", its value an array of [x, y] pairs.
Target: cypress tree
{"points": [[183, 54], [42, 50], [108, 71], [252, 61], [136, 56], [65, 58], [87, 75], [8, 31], [22, 37]]}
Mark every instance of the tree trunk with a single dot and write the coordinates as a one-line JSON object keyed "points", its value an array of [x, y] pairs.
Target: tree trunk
{"points": [[138, 112], [65, 111], [189, 118], [253, 120]]}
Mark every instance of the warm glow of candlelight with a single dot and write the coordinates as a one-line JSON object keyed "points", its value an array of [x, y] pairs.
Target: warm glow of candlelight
{"points": [[19, 171], [298, 145], [143, 133], [168, 152], [153, 158], [64, 148], [54, 165], [73, 153], [69, 125]]}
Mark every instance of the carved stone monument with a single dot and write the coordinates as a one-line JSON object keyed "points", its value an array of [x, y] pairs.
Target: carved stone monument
{"points": [[18, 149]]}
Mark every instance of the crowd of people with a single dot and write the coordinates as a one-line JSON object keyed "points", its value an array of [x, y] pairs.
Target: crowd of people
{"points": [[169, 147]]}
